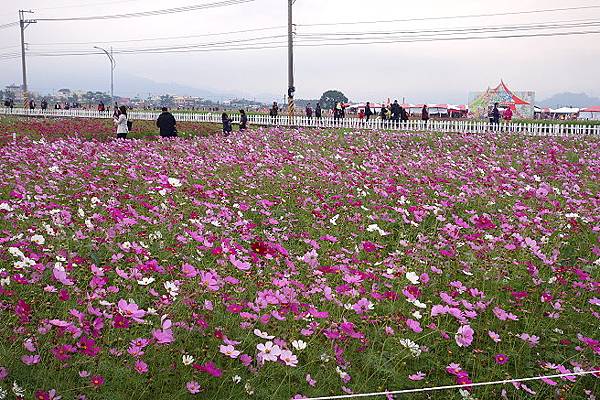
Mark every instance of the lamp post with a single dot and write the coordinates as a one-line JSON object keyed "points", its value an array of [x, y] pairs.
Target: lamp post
{"points": [[112, 70]]}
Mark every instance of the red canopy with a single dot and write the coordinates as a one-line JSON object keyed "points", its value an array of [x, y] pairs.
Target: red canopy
{"points": [[593, 109]]}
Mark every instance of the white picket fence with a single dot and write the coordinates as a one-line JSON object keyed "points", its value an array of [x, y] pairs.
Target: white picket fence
{"points": [[458, 126]]}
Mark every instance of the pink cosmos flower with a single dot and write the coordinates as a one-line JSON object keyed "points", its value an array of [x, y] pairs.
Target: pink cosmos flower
{"points": [[503, 315], [288, 358], [3, 373], [120, 322], [97, 381], [30, 359], [494, 336], [131, 310], [362, 306], [209, 368], [417, 377], [310, 380], [246, 360], [88, 347], [464, 336], [414, 325], [209, 280], [531, 340], [164, 335], [501, 359], [141, 367], [193, 387], [229, 351], [268, 351], [63, 352]]}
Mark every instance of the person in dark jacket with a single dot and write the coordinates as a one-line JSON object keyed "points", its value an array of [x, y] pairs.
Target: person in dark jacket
{"points": [[44, 104], [167, 124], [396, 112], [227, 127], [309, 112], [403, 114], [243, 120], [368, 111], [383, 112], [425, 113], [496, 115], [318, 111]]}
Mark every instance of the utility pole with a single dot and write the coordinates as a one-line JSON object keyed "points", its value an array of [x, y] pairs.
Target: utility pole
{"points": [[23, 23], [291, 88], [112, 70]]}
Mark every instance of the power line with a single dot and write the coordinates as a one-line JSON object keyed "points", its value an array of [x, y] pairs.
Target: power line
{"points": [[445, 32], [218, 4], [277, 45], [160, 38], [355, 36], [549, 10], [79, 5], [9, 25]]}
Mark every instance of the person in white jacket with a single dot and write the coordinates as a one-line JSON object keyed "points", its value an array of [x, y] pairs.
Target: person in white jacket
{"points": [[121, 123]]}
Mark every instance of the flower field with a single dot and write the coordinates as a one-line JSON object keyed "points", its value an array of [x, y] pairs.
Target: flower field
{"points": [[279, 264]]}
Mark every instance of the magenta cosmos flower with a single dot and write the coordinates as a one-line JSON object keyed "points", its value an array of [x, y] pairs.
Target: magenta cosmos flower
{"points": [[501, 359]]}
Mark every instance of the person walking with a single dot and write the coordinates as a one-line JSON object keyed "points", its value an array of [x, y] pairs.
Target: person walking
{"points": [[11, 105], [403, 114], [227, 126], [121, 122], [396, 112], [309, 112], [274, 112], [44, 104], [496, 115], [425, 114], [318, 111], [243, 120], [508, 114], [368, 111], [31, 104], [383, 112], [101, 106], [167, 124]]}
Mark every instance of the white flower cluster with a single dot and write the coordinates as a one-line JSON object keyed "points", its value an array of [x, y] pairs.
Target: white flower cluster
{"points": [[414, 348]]}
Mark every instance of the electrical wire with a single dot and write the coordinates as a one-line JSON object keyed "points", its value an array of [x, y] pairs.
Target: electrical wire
{"points": [[175, 10], [548, 10], [277, 45], [9, 25], [161, 38]]}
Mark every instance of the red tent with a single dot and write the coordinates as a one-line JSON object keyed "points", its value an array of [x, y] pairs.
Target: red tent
{"points": [[593, 109]]}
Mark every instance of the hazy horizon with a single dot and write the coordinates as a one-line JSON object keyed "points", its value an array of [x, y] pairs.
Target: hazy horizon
{"points": [[440, 71]]}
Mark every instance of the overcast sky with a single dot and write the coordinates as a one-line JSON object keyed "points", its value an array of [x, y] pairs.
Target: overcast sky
{"points": [[444, 71]]}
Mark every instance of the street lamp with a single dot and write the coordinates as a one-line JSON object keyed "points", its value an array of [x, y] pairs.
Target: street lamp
{"points": [[113, 63]]}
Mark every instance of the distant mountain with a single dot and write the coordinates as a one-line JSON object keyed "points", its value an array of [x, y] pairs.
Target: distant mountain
{"points": [[570, 100], [131, 86]]}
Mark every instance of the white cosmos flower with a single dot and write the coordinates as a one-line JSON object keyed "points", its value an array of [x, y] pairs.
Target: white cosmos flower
{"points": [[263, 335], [412, 277], [299, 344], [236, 379], [174, 182], [333, 220], [146, 281], [187, 359], [39, 239]]}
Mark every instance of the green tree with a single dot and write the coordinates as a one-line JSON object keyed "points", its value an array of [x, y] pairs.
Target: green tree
{"points": [[167, 100], [332, 97]]}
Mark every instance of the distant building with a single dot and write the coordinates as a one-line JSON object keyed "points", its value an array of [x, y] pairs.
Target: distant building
{"points": [[521, 103]]}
